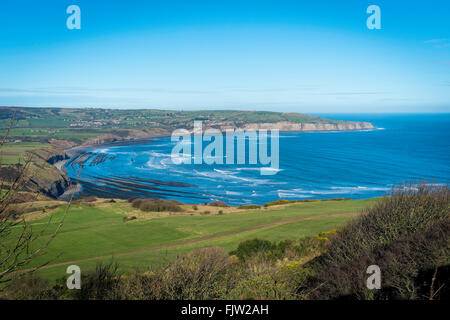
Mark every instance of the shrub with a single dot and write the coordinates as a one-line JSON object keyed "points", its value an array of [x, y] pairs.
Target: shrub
{"points": [[136, 203], [284, 249], [259, 287], [250, 247], [205, 212], [99, 284], [405, 234], [126, 219], [220, 211], [175, 202], [198, 275], [29, 287], [156, 205], [249, 206], [89, 199], [218, 204], [195, 207], [278, 202], [405, 212]]}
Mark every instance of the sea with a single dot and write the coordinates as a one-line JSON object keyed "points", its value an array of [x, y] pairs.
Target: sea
{"points": [[403, 149]]}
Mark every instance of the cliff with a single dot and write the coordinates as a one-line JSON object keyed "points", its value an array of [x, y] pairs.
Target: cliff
{"points": [[126, 135], [319, 126], [41, 175]]}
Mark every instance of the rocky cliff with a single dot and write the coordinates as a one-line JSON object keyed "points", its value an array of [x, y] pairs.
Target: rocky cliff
{"points": [[311, 126], [44, 177], [126, 135]]}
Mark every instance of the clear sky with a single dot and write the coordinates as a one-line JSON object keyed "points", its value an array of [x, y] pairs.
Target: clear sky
{"points": [[304, 56]]}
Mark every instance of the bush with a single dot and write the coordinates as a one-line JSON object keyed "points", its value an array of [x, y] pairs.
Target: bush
{"points": [[278, 202], [405, 234], [156, 205], [89, 199], [284, 249], [126, 219], [195, 207], [250, 247], [99, 284], [198, 275], [259, 287], [218, 204], [29, 287], [249, 206], [175, 202], [205, 212], [220, 212]]}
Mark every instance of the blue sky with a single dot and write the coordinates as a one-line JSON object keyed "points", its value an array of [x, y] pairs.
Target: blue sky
{"points": [[303, 56]]}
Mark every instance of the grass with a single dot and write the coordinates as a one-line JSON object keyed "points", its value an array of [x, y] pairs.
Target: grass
{"points": [[99, 230], [12, 153]]}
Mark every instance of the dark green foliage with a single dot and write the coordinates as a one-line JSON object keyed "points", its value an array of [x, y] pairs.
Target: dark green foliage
{"points": [[88, 199], [99, 284], [405, 234], [250, 247], [156, 205], [249, 206], [29, 287], [197, 275], [218, 204], [277, 250]]}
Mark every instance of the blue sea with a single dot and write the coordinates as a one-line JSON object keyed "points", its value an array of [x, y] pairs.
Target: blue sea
{"points": [[319, 165]]}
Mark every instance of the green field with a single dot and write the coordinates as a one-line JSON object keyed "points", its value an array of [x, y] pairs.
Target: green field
{"points": [[95, 231], [13, 153]]}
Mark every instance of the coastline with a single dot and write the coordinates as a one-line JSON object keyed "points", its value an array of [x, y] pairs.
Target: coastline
{"points": [[81, 149], [76, 150]]}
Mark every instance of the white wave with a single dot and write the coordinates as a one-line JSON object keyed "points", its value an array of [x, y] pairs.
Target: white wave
{"points": [[301, 193], [270, 169], [159, 155], [361, 188], [223, 171], [232, 193], [155, 164], [225, 174], [260, 169], [282, 195]]}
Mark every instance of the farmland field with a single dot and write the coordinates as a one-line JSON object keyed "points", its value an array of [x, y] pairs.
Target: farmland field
{"points": [[98, 232]]}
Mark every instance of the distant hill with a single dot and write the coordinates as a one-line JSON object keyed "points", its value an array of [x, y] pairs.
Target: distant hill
{"points": [[78, 125]]}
